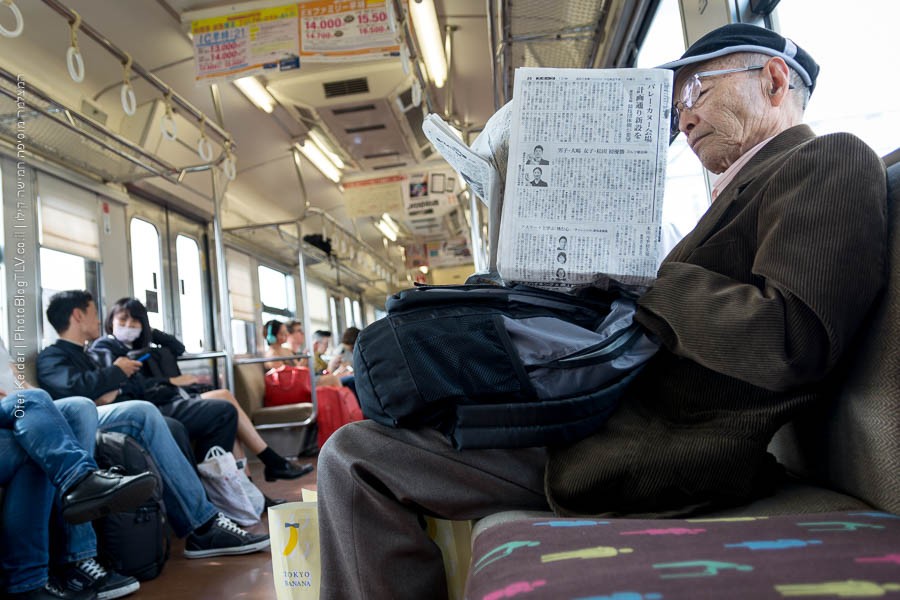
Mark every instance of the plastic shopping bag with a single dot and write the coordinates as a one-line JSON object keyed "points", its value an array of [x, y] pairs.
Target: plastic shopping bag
{"points": [[229, 489], [294, 533]]}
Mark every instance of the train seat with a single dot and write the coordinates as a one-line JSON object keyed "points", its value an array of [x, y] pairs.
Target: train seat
{"points": [[844, 463], [250, 390]]}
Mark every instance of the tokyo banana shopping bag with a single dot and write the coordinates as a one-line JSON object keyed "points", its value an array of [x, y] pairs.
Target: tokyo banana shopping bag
{"points": [[294, 533]]}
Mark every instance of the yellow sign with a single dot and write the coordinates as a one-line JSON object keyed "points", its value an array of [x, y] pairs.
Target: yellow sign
{"points": [[345, 30], [246, 43]]}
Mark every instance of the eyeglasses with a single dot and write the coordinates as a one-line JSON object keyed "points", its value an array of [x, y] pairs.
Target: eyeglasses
{"points": [[690, 93]]}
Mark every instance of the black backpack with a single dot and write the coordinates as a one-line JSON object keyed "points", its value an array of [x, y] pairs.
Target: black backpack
{"points": [[499, 367], [135, 542]]}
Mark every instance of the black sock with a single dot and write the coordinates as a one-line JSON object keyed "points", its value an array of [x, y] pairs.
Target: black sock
{"points": [[272, 459]]}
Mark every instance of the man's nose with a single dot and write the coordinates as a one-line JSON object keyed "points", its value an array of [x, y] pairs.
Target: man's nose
{"points": [[687, 120]]}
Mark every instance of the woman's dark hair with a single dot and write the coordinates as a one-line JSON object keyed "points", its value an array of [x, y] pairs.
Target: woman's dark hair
{"points": [[270, 331], [136, 310], [350, 335]]}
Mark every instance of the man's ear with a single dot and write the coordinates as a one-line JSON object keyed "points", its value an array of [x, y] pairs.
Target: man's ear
{"points": [[777, 76]]}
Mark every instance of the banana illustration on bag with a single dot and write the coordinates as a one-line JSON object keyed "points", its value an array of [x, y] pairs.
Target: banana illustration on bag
{"points": [[294, 535]]}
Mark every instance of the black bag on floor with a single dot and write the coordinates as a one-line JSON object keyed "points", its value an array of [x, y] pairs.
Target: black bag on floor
{"points": [[135, 542], [499, 367]]}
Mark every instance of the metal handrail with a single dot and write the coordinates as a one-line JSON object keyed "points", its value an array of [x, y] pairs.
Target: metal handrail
{"points": [[262, 359], [202, 356]]}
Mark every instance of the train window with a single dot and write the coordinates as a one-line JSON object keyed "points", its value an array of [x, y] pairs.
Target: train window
{"points": [[190, 293], [348, 313], [335, 323], [276, 294], [686, 196], [146, 269], [852, 45], [240, 294], [317, 297], [62, 271], [357, 314]]}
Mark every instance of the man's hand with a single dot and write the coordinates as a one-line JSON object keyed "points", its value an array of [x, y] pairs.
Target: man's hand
{"points": [[128, 366], [108, 397], [184, 380]]}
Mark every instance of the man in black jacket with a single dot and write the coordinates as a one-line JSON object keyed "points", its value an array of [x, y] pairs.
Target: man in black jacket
{"points": [[65, 369]]}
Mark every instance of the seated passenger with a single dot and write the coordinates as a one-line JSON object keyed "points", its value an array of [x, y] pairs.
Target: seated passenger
{"points": [[41, 459], [64, 367], [276, 335], [341, 363], [754, 309], [321, 341], [128, 328], [296, 341]]}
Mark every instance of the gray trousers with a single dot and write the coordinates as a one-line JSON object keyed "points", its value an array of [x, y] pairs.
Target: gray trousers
{"points": [[375, 484]]}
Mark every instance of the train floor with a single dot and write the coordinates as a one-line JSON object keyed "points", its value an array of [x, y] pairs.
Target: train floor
{"points": [[247, 577]]}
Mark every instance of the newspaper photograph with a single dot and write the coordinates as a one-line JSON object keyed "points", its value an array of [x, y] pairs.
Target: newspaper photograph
{"points": [[584, 184]]}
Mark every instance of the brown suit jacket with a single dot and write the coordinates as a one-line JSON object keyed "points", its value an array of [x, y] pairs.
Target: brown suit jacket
{"points": [[754, 308]]}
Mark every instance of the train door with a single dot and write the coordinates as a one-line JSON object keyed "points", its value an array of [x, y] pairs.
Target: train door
{"points": [[169, 266]]}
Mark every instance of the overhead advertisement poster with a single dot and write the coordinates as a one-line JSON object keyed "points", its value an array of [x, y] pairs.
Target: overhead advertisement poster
{"points": [[345, 30], [244, 44], [374, 197]]}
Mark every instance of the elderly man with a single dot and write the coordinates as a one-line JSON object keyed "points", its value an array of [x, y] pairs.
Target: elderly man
{"points": [[754, 308]]}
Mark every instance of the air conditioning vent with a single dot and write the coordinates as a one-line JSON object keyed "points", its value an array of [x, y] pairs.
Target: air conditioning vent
{"points": [[347, 87], [352, 109], [364, 128], [389, 166], [381, 155]]}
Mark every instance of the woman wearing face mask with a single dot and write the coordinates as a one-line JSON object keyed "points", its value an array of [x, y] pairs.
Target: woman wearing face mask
{"points": [[128, 328]]}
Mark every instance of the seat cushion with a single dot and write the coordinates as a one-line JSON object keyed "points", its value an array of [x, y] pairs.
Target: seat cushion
{"points": [[277, 415], [837, 554]]}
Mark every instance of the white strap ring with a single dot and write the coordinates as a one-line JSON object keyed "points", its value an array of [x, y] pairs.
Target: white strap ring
{"points": [[229, 168], [75, 63], [20, 23], [204, 149], [129, 102], [169, 129]]}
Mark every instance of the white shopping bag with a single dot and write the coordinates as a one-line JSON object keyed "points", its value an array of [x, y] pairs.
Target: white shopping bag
{"points": [[229, 489]]}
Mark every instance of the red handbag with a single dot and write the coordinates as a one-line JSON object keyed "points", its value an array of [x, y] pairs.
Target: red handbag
{"points": [[287, 385], [337, 407]]}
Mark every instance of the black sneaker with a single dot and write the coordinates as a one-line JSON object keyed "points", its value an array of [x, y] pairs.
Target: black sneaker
{"points": [[52, 591], [223, 538], [88, 574]]}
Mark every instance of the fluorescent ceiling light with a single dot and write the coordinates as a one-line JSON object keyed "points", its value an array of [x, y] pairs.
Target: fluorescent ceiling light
{"points": [[391, 223], [325, 147], [430, 41], [256, 93], [385, 230], [315, 155]]}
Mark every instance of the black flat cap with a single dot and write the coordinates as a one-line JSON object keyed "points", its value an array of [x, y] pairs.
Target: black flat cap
{"points": [[740, 37]]}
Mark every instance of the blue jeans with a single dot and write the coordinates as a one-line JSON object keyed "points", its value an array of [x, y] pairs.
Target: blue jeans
{"points": [[183, 494], [38, 454]]}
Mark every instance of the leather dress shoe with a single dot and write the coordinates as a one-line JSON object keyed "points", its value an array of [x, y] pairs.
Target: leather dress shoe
{"points": [[104, 492], [270, 502], [286, 471]]}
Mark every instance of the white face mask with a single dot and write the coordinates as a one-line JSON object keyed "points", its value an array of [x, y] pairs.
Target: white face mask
{"points": [[126, 334]]}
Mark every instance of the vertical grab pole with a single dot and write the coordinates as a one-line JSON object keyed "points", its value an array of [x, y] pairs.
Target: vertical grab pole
{"points": [[222, 272], [307, 324]]}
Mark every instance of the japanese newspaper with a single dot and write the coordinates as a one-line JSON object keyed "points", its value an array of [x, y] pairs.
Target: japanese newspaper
{"points": [[584, 175]]}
